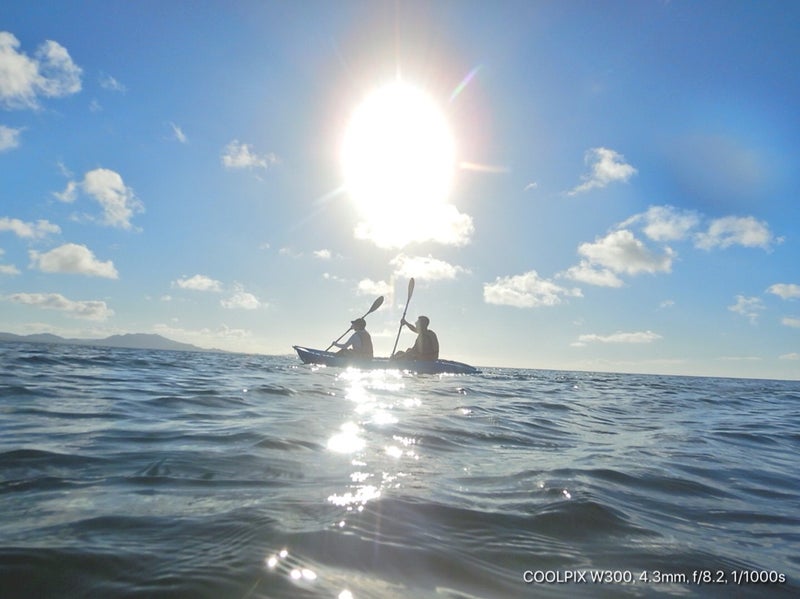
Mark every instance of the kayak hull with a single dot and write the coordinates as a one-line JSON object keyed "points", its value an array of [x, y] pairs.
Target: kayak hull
{"points": [[317, 356]]}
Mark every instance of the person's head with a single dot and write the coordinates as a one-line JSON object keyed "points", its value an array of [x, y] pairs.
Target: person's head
{"points": [[423, 322], [359, 324]]}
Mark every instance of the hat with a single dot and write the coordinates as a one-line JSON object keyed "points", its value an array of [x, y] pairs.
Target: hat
{"points": [[358, 322]]}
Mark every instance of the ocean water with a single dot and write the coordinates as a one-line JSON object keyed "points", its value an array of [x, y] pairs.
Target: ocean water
{"points": [[129, 473]]}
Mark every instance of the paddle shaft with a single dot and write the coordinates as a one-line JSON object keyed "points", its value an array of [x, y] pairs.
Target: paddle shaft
{"points": [[375, 305], [405, 310]]}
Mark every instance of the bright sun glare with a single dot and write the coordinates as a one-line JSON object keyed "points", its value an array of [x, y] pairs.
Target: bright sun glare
{"points": [[398, 158]]}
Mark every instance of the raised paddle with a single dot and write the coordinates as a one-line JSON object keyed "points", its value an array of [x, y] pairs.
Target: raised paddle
{"points": [[408, 300], [375, 305]]}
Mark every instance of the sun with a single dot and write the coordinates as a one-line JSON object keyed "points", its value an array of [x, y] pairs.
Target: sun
{"points": [[398, 160]]}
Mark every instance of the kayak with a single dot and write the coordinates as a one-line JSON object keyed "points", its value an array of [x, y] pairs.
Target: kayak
{"points": [[326, 358]]}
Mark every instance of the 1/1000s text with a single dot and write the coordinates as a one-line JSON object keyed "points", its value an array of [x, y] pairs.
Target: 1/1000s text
{"points": [[695, 577]]}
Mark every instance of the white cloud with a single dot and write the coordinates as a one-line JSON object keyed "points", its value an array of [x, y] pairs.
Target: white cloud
{"points": [[665, 223], [790, 356], [785, 290], [202, 337], [788, 321], [73, 259], [607, 166], [621, 252], [58, 75], [331, 277], [370, 287], [441, 223], [425, 268], [734, 230], [23, 80], [241, 300], [237, 155], [25, 230], [323, 254], [69, 195], [178, 134], [198, 283], [7, 269], [527, 290], [108, 82], [88, 310], [749, 307], [116, 199], [619, 337], [9, 138], [592, 275]]}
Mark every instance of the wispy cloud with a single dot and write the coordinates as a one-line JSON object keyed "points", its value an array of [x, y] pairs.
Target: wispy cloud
{"points": [[72, 258], [788, 321], [70, 193], [7, 269], [785, 290], [9, 138], [198, 283], [87, 309], [735, 230], [50, 73], [527, 290], [28, 230], [665, 223], [618, 337], [322, 254], [238, 155], [749, 307], [607, 166], [425, 268], [109, 83], [178, 134], [237, 297]]}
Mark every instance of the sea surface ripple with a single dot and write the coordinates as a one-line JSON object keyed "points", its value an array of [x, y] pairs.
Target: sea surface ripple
{"points": [[132, 473]]}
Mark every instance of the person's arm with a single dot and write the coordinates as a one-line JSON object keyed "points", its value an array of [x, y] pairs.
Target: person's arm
{"points": [[408, 324], [347, 343]]}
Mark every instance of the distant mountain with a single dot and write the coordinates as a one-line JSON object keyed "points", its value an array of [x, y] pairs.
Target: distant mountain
{"points": [[131, 340]]}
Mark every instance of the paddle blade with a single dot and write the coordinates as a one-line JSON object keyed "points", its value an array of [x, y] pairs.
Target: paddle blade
{"points": [[375, 305], [410, 289]]}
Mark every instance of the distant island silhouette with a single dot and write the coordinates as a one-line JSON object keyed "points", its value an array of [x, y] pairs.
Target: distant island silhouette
{"points": [[130, 340]]}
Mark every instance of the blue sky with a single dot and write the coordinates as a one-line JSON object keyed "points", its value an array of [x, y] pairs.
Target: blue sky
{"points": [[611, 185]]}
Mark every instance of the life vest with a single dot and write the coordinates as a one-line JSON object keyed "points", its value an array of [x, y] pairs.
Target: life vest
{"points": [[362, 344], [427, 346]]}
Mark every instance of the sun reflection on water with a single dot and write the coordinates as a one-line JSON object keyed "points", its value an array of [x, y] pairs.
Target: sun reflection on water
{"points": [[380, 461], [378, 403], [348, 440]]}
